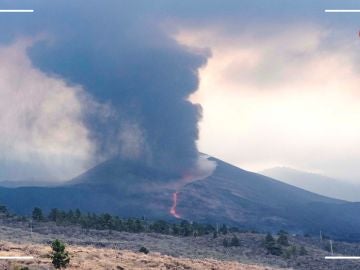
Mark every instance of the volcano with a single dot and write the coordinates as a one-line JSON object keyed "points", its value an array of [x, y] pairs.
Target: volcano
{"points": [[230, 195]]}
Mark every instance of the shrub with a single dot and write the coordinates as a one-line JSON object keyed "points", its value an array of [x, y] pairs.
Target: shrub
{"points": [[271, 246], [37, 214], [283, 240], [224, 229], [60, 258], [144, 250], [235, 241], [302, 251]]}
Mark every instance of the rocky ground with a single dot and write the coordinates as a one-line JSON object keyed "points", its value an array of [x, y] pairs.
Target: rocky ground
{"points": [[119, 250]]}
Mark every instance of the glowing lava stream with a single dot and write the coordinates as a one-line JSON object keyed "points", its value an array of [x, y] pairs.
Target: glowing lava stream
{"points": [[173, 207]]}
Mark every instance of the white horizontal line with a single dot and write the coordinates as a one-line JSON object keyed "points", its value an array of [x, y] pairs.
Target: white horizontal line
{"points": [[16, 257], [342, 258], [16, 10], [342, 10]]}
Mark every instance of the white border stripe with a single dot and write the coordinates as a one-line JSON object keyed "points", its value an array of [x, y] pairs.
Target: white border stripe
{"points": [[16, 257], [342, 258], [16, 10], [342, 10]]}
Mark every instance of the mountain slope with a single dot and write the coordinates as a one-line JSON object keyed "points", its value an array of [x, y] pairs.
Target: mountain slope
{"points": [[230, 195], [316, 183]]}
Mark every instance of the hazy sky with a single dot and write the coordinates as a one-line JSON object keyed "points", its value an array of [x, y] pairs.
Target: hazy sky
{"points": [[282, 92], [285, 99], [281, 86]]}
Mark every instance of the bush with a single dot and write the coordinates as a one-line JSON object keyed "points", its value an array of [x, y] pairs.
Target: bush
{"points": [[224, 230], [235, 241], [302, 251], [283, 240], [60, 258], [37, 214], [144, 250], [271, 246], [4, 210]]}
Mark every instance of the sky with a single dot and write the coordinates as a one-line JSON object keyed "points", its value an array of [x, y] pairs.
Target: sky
{"points": [[277, 82]]}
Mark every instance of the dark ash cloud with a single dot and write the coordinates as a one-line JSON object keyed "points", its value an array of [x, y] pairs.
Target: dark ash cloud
{"points": [[123, 57]]}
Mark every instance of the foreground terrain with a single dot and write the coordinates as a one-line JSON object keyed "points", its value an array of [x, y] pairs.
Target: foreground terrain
{"points": [[89, 257], [119, 250]]}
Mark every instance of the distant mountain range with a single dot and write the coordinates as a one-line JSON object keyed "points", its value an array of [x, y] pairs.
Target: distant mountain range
{"points": [[230, 195], [316, 183]]}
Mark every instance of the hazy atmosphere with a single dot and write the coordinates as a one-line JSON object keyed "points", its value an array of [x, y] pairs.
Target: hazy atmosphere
{"points": [[284, 93], [182, 134]]}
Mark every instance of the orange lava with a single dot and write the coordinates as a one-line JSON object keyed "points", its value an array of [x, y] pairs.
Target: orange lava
{"points": [[173, 207]]}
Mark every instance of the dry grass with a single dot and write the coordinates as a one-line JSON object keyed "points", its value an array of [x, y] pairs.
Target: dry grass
{"points": [[91, 258]]}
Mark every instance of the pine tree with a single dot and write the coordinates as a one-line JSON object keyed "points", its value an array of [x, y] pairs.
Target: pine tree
{"points": [[283, 240], [60, 257], [37, 214], [235, 241], [224, 229], [302, 251], [271, 246], [53, 215]]}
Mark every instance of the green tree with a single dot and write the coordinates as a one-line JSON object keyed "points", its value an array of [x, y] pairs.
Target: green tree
{"points": [[283, 240], [302, 251], [235, 241], [144, 250], [60, 258], [224, 229], [37, 214], [4, 210], [77, 215], [53, 214], [271, 246]]}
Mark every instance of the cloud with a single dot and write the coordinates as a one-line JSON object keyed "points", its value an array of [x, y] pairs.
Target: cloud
{"points": [[41, 118], [124, 59], [290, 98]]}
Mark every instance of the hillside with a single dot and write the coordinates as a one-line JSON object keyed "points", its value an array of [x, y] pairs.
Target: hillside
{"points": [[316, 183], [230, 195]]}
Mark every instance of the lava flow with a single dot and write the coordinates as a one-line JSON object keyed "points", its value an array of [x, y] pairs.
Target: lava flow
{"points": [[173, 207]]}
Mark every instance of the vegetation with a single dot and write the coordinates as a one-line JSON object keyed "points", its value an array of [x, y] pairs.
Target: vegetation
{"points": [[271, 246], [144, 250], [134, 225], [60, 258], [225, 242], [4, 210], [283, 239], [233, 242], [281, 246], [303, 251], [37, 214]]}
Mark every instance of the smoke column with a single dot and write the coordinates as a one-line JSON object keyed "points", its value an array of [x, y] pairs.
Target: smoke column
{"points": [[126, 60]]}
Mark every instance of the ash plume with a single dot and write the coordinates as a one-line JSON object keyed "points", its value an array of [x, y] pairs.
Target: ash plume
{"points": [[126, 60]]}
